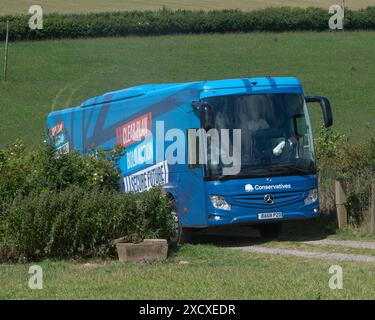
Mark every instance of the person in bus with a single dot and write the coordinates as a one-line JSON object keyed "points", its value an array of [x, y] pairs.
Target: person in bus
{"points": [[255, 122], [255, 105]]}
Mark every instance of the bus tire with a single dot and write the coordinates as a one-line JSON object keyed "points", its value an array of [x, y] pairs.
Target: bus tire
{"points": [[180, 235], [270, 231]]}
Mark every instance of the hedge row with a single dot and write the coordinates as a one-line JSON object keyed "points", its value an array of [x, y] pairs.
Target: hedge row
{"points": [[181, 21], [78, 222], [71, 205]]}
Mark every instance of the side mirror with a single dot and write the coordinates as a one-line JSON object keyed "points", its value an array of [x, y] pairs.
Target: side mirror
{"points": [[196, 105], [206, 115], [326, 108]]}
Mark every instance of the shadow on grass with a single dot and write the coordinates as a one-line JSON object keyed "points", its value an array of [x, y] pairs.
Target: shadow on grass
{"points": [[244, 235]]}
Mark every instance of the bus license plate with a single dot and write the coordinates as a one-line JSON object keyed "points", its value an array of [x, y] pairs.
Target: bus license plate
{"points": [[270, 215]]}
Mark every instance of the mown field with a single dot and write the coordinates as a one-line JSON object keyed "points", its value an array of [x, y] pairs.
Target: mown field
{"points": [[69, 6], [50, 75], [195, 272]]}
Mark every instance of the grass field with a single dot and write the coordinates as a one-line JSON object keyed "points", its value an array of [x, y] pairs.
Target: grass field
{"points": [[67, 6], [206, 272], [49, 75]]}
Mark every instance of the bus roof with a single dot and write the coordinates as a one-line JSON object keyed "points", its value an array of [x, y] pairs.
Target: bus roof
{"points": [[171, 88], [146, 89]]}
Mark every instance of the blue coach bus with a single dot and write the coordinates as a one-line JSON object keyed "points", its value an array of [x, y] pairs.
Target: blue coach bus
{"points": [[267, 176]]}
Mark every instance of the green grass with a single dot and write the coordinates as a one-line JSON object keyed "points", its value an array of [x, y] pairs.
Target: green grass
{"points": [[67, 6], [211, 273], [50, 75]]}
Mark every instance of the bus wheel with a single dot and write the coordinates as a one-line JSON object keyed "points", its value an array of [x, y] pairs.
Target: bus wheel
{"points": [[270, 231], [179, 235]]}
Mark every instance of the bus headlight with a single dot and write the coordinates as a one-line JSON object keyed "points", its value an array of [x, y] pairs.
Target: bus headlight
{"points": [[220, 203], [312, 196]]}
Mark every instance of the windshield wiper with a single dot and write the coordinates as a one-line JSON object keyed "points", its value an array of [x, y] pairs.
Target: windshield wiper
{"points": [[251, 172], [246, 173], [294, 168]]}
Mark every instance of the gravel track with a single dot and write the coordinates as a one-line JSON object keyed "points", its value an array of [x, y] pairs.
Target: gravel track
{"points": [[306, 254], [343, 243]]}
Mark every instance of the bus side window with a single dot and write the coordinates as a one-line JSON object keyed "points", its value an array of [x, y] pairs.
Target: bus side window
{"points": [[193, 148]]}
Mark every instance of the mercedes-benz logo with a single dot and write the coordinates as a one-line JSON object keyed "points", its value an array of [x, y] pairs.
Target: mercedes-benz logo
{"points": [[269, 199]]}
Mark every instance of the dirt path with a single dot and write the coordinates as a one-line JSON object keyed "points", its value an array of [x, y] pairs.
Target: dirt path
{"points": [[306, 254], [247, 241], [343, 243]]}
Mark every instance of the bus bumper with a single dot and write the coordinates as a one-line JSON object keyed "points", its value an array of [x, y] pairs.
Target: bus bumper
{"points": [[218, 217]]}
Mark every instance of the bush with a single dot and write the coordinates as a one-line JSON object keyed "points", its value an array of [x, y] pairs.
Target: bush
{"points": [[71, 205], [181, 21], [329, 144], [22, 171], [353, 164], [77, 222]]}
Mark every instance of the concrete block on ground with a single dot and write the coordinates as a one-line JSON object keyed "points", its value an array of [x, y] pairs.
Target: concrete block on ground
{"points": [[148, 250]]}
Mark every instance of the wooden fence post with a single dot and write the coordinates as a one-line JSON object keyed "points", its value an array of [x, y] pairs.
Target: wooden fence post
{"points": [[342, 214], [6, 52], [372, 207]]}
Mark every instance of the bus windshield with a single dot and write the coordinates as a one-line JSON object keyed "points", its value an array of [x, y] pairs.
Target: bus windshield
{"points": [[275, 130]]}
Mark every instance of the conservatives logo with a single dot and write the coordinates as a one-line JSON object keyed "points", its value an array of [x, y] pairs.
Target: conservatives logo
{"points": [[251, 188]]}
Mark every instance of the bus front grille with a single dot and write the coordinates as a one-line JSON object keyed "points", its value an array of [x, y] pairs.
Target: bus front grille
{"points": [[258, 200]]}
